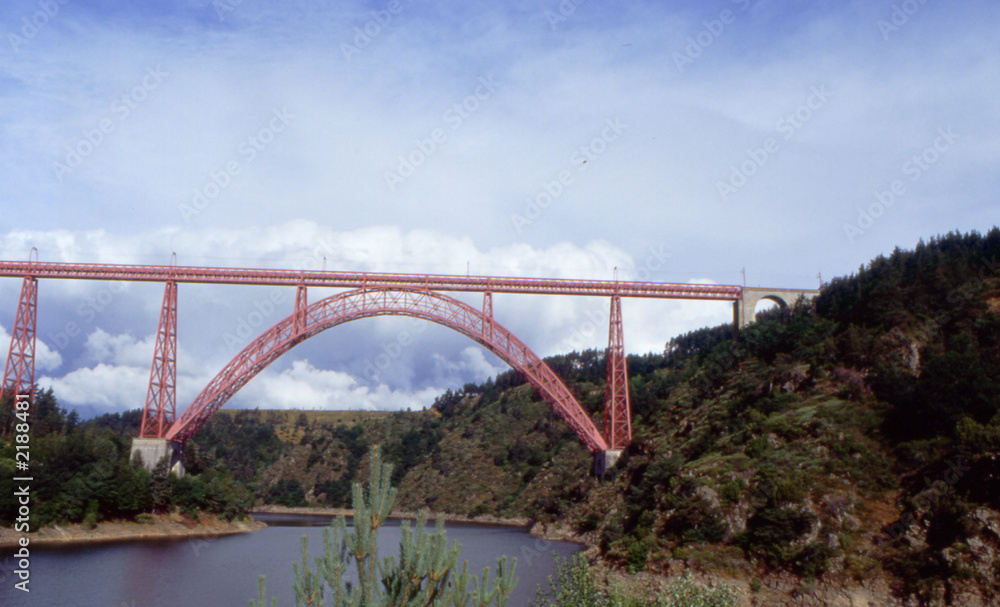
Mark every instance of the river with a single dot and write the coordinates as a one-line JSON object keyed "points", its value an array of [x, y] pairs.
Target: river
{"points": [[222, 571]]}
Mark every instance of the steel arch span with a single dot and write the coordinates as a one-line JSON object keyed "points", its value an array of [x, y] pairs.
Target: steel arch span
{"points": [[309, 320]]}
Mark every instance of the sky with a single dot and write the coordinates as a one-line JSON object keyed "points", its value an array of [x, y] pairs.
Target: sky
{"points": [[780, 143]]}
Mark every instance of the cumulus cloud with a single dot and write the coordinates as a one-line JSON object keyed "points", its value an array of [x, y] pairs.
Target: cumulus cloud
{"points": [[113, 329], [121, 349], [303, 386], [471, 362], [46, 359], [111, 388], [278, 146]]}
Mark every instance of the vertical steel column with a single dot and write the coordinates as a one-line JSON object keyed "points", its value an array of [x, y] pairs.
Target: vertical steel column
{"points": [[301, 303], [488, 315], [19, 370], [161, 399], [617, 414]]}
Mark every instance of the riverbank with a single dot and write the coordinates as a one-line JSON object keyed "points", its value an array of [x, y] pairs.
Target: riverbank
{"points": [[162, 526], [522, 523]]}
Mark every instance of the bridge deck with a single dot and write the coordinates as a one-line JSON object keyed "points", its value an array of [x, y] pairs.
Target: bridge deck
{"points": [[360, 280]]}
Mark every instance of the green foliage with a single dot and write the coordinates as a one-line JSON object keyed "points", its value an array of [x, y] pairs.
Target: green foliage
{"points": [[813, 559], [979, 437], [241, 444], [575, 585], [770, 533], [287, 493], [636, 552], [89, 476], [731, 491], [685, 592], [424, 574]]}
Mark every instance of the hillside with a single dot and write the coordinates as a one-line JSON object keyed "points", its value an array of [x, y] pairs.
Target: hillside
{"points": [[844, 450], [848, 443]]}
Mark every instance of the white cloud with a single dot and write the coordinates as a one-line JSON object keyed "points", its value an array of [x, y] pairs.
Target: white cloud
{"points": [[108, 387], [303, 386], [103, 350], [315, 191], [470, 363], [46, 359], [121, 349]]}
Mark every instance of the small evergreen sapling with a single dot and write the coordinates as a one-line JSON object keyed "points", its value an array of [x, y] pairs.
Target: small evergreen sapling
{"points": [[423, 576]]}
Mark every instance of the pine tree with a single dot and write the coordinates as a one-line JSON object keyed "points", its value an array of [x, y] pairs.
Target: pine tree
{"points": [[423, 576]]}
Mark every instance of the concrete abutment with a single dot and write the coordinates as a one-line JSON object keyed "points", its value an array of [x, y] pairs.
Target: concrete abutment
{"points": [[605, 460], [153, 450]]}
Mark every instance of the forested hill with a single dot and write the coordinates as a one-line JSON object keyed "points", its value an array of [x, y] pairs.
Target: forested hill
{"points": [[850, 442]]}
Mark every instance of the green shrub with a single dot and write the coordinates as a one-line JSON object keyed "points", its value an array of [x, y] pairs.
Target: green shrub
{"points": [[757, 447], [770, 531], [636, 553], [92, 516], [589, 522], [685, 592], [730, 492], [813, 560], [574, 585]]}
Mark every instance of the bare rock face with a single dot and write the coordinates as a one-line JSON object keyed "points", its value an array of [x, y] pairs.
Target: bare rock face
{"points": [[790, 591], [905, 349]]}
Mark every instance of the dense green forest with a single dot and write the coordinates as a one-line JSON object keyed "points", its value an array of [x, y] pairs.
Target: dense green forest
{"points": [[851, 438], [83, 473]]}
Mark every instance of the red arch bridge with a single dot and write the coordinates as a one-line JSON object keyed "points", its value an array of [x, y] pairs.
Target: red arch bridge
{"points": [[365, 295]]}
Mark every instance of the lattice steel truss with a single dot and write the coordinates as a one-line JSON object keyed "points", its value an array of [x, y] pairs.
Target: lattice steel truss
{"points": [[19, 369], [364, 303], [617, 414], [161, 398], [372, 294]]}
